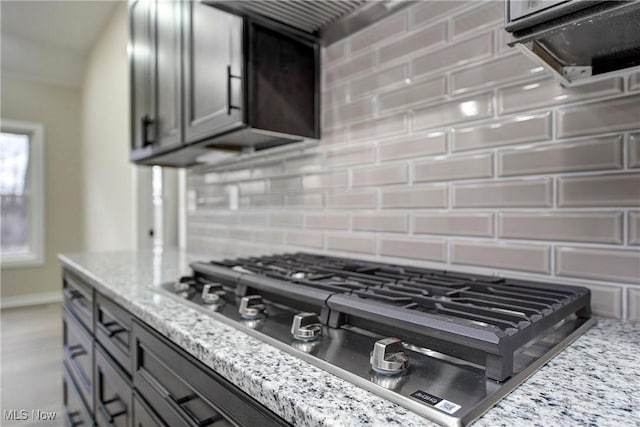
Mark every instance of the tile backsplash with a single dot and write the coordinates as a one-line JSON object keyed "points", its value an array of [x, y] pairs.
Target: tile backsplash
{"points": [[443, 147]]}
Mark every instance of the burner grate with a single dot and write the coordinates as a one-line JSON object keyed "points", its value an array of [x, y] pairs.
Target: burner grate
{"points": [[477, 318]]}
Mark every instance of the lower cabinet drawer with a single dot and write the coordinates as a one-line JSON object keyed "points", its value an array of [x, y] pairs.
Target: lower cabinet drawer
{"points": [[78, 297], [77, 346], [143, 416], [183, 392], [76, 413], [113, 397], [113, 330]]}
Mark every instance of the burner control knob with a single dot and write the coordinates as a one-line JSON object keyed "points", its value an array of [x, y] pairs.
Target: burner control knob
{"points": [[306, 327], [388, 357], [211, 293], [251, 307], [183, 284]]}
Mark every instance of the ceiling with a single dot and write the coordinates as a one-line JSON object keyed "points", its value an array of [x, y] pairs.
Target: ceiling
{"points": [[72, 25], [49, 41]]}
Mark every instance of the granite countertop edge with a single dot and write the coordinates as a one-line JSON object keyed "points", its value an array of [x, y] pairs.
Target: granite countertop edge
{"points": [[592, 382]]}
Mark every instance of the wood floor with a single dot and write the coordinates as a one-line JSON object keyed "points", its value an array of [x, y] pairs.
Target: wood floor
{"points": [[31, 363]]}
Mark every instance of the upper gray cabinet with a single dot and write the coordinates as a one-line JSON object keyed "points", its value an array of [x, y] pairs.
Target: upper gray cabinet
{"points": [[213, 96], [205, 78], [156, 72]]}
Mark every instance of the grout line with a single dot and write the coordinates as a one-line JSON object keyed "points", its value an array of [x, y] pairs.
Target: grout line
{"points": [[625, 227], [626, 144]]}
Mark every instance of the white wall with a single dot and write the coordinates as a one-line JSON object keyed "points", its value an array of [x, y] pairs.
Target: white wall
{"points": [[109, 178], [58, 109]]}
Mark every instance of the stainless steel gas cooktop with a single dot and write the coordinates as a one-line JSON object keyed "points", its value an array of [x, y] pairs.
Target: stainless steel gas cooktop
{"points": [[443, 344]]}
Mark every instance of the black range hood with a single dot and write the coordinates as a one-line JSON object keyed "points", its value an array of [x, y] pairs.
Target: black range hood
{"points": [[580, 40]]}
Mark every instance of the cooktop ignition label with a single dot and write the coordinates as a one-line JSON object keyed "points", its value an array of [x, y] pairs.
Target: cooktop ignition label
{"points": [[436, 402]]}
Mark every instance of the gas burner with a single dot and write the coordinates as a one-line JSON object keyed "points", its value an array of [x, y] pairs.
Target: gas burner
{"points": [[447, 345]]}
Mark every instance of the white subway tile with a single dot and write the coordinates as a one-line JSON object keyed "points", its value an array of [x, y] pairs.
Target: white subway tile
{"points": [[454, 168], [447, 113], [387, 28], [352, 199], [454, 223], [380, 127], [413, 94], [334, 221], [507, 194], [372, 221], [511, 256], [422, 249], [351, 67], [600, 227], [527, 96], [380, 175], [372, 82], [607, 116], [451, 56], [596, 154], [498, 71], [413, 146], [305, 238], [485, 16], [514, 130], [599, 264], [351, 243], [613, 190], [415, 41], [425, 196]]}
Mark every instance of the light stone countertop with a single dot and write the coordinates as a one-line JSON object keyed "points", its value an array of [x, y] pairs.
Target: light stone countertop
{"points": [[595, 381]]}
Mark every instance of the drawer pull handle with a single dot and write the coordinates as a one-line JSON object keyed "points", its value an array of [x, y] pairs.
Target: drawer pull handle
{"points": [[184, 399], [186, 414], [109, 415], [106, 328], [72, 294], [71, 421], [77, 299], [76, 350]]}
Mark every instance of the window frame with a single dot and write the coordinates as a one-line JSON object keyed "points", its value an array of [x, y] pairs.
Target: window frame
{"points": [[35, 256]]}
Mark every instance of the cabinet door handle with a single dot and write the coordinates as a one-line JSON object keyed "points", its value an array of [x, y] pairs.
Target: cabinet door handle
{"points": [[145, 122], [229, 77]]}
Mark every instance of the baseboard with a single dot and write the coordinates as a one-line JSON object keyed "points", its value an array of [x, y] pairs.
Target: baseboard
{"points": [[31, 299]]}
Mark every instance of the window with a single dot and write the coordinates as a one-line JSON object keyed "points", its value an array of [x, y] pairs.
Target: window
{"points": [[21, 193]]}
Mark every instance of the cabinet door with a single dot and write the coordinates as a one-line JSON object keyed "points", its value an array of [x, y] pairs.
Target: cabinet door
{"points": [[214, 95], [142, 77], [75, 410], [113, 396], [77, 346], [168, 124]]}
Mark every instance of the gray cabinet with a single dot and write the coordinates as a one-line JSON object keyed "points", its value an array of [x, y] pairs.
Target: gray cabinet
{"points": [[203, 78], [213, 71], [142, 77], [156, 75], [118, 372]]}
